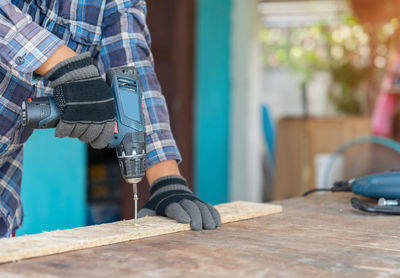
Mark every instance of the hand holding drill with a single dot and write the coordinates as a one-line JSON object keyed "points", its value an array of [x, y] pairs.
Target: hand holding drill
{"points": [[86, 102]]}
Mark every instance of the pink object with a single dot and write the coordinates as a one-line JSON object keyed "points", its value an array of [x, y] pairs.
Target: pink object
{"points": [[383, 116], [386, 103]]}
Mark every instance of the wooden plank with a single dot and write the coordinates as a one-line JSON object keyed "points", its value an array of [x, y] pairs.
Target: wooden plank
{"points": [[59, 241]]}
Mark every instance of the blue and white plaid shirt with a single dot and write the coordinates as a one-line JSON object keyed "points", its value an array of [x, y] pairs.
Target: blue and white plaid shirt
{"points": [[116, 34]]}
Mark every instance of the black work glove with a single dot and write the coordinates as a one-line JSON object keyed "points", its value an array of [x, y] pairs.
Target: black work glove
{"points": [[85, 100], [170, 196]]}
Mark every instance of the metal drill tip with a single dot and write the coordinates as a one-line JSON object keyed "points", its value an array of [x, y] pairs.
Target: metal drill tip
{"points": [[135, 199]]}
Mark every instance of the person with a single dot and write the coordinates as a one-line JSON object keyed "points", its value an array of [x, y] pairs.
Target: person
{"points": [[52, 47]]}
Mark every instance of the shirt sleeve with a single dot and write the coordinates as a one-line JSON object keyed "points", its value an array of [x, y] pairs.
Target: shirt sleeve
{"points": [[24, 45], [126, 41]]}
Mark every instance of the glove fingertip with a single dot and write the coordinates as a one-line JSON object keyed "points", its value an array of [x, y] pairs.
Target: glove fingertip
{"points": [[214, 212], [184, 221], [175, 211], [194, 212], [195, 227], [91, 133], [63, 129], [78, 130], [104, 137], [208, 219], [146, 212]]}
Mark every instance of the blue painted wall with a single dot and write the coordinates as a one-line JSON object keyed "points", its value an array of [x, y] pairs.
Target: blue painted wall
{"points": [[53, 183], [212, 100]]}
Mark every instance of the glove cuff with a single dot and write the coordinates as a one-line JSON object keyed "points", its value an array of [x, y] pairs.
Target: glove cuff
{"points": [[75, 68], [168, 190], [168, 181], [70, 64]]}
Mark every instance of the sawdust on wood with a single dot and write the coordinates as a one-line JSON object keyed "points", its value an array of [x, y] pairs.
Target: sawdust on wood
{"points": [[59, 241]]}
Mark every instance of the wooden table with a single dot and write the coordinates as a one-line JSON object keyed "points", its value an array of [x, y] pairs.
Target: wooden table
{"points": [[317, 236]]}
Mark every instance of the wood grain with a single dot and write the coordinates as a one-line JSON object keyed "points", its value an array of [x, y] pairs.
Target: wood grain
{"points": [[59, 241], [317, 236]]}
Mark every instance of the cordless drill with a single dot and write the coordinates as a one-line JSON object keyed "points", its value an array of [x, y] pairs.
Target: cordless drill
{"points": [[129, 134]]}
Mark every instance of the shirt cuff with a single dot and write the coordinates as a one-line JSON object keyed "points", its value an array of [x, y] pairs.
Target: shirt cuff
{"points": [[30, 47], [161, 146]]}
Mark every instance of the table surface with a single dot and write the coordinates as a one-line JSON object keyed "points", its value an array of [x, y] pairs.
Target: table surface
{"points": [[317, 236]]}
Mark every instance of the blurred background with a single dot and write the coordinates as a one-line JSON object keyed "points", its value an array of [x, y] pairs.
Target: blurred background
{"points": [[267, 99]]}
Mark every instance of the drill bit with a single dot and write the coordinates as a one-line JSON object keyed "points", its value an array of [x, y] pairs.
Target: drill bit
{"points": [[135, 198]]}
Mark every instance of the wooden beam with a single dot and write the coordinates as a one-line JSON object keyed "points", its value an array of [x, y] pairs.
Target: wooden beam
{"points": [[60, 241], [172, 27]]}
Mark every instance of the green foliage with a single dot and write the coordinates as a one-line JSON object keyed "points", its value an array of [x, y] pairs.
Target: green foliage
{"points": [[341, 49]]}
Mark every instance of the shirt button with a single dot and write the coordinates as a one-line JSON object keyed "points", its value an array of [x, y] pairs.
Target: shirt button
{"points": [[20, 60]]}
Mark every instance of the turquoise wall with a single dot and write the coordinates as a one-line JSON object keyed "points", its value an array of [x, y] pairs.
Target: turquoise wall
{"points": [[53, 183], [212, 100]]}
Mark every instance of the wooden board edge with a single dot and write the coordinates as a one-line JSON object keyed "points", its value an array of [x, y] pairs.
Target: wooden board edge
{"points": [[230, 212]]}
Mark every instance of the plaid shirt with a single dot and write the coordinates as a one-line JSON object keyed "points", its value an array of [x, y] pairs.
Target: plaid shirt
{"points": [[114, 31]]}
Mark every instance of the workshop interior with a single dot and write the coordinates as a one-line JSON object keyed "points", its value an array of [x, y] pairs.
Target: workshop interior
{"points": [[268, 100]]}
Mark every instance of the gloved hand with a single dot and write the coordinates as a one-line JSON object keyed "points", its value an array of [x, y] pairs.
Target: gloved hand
{"points": [[85, 100], [170, 196]]}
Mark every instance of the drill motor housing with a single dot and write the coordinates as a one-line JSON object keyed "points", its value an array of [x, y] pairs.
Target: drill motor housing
{"points": [[129, 134]]}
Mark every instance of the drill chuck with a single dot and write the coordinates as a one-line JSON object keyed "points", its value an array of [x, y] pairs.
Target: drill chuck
{"points": [[131, 169], [131, 154]]}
